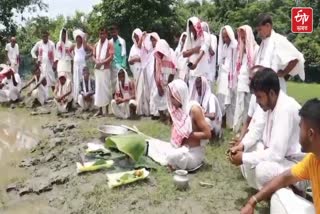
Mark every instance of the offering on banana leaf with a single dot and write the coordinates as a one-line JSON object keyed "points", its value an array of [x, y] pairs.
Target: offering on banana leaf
{"points": [[97, 151], [122, 178], [133, 145], [94, 165]]}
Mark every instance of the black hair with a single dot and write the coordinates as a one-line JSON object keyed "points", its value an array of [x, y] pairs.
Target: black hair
{"points": [[103, 29], [121, 71], [265, 80], [311, 111], [45, 32], [114, 26], [263, 19]]}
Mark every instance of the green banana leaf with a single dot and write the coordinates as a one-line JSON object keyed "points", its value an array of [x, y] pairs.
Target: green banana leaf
{"points": [[133, 145]]}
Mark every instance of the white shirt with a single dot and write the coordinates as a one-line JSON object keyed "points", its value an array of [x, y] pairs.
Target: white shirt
{"points": [[281, 133], [13, 53], [49, 46]]}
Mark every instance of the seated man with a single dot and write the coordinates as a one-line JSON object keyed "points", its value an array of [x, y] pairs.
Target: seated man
{"points": [[87, 90], [124, 105], [39, 89], [262, 161], [307, 169], [201, 93], [189, 131], [10, 85], [63, 93]]}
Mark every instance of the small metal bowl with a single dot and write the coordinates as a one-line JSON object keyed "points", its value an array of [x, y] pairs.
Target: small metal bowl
{"points": [[181, 179], [109, 130]]}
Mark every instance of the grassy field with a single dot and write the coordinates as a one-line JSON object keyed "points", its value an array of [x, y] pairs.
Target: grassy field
{"points": [[157, 194]]}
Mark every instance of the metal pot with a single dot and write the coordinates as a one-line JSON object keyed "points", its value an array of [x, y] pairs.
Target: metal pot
{"points": [[109, 130], [181, 179]]}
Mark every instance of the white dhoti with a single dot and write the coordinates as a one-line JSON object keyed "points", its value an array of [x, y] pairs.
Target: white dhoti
{"points": [[215, 125], [257, 176], [77, 75], [230, 108], [85, 105], [122, 110], [40, 95], [143, 96], [11, 94], [47, 71], [114, 76], [160, 102], [103, 93], [241, 110], [180, 158], [285, 201], [65, 66], [62, 107], [223, 91]]}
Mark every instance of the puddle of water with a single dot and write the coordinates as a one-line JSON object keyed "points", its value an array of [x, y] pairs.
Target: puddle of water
{"points": [[18, 134]]}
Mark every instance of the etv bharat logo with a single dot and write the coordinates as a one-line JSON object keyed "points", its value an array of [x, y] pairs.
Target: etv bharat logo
{"points": [[302, 20]]}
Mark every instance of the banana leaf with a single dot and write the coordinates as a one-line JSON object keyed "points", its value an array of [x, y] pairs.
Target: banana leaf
{"points": [[133, 145], [94, 165]]}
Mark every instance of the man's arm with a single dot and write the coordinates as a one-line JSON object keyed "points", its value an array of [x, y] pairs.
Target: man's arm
{"points": [[34, 50], [191, 51], [110, 53], [288, 69], [28, 84], [244, 128], [281, 181], [198, 117]]}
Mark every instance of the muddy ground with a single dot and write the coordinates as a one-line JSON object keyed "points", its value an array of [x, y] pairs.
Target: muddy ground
{"points": [[44, 179]]}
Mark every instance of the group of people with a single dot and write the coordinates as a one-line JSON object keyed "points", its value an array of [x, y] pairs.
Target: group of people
{"points": [[178, 86]]}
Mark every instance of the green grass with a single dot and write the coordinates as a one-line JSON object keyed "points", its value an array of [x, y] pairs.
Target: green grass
{"points": [[303, 92]]}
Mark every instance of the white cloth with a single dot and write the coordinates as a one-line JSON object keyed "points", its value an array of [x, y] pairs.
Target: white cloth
{"points": [[259, 175], [13, 55], [241, 110], [41, 92], [84, 104], [214, 107], [103, 94], [281, 133], [276, 52], [123, 45], [180, 158], [182, 63], [63, 55], [122, 110], [9, 92], [202, 41], [79, 63], [46, 57], [284, 201], [135, 52]]}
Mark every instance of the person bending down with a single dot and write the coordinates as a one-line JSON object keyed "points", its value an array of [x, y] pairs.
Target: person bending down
{"points": [[124, 105], [189, 131], [63, 94]]}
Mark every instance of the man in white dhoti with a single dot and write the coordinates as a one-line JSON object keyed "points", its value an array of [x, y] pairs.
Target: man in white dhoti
{"points": [[103, 55], [80, 50], [227, 52], [10, 85], [246, 51], [182, 62], [13, 55], [201, 93], [63, 93], [277, 53], [39, 89], [87, 91], [146, 83], [135, 54], [63, 56], [212, 57], [189, 133], [120, 54], [43, 52], [164, 73], [196, 50], [283, 200], [124, 105], [262, 161]]}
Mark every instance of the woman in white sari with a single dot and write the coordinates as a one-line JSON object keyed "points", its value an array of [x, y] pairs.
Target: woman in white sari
{"points": [[135, 54]]}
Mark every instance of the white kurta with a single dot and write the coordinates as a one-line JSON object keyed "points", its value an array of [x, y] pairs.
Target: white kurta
{"points": [[211, 73], [46, 57], [9, 92], [13, 56], [79, 62], [214, 107], [41, 92], [62, 90], [279, 146], [276, 52], [64, 57]]}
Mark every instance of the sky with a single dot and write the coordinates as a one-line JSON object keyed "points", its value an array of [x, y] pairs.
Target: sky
{"points": [[63, 7]]}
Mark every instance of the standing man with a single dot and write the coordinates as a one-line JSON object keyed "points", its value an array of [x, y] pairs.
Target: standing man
{"points": [[63, 57], [43, 52], [120, 54], [277, 53], [13, 56], [227, 52], [307, 169], [103, 55]]}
